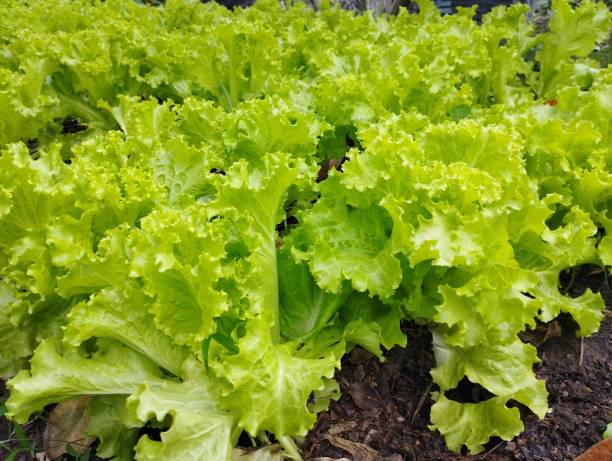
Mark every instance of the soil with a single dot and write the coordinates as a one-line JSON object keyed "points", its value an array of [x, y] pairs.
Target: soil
{"points": [[384, 409], [22, 442]]}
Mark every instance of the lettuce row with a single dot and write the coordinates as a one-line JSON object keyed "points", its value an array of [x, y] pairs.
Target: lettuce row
{"points": [[184, 261]]}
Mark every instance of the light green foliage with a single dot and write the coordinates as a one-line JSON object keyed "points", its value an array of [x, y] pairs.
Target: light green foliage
{"points": [[471, 424], [179, 262]]}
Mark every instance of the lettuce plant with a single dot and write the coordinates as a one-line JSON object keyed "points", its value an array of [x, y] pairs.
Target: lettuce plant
{"points": [[251, 194]]}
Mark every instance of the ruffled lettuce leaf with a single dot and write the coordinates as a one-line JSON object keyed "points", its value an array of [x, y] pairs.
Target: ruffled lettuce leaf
{"points": [[472, 424], [573, 33], [199, 430], [177, 261], [269, 385], [58, 375]]}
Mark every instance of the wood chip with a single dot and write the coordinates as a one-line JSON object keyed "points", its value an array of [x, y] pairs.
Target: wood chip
{"points": [[358, 451], [330, 459], [362, 396], [342, 427], [553, 330]]}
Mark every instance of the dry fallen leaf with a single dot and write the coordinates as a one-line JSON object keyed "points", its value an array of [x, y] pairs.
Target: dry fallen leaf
{"points": [[327, 166], [601, 451], [67, 425]]}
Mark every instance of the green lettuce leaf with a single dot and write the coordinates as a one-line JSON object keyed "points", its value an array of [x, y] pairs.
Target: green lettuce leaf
{"points": [[472, 424], [198, 429], [268, 385], [305, 309], [124, 315], [608, 433], [56, 376], [573, 32], [109, 421], [177, 256]]}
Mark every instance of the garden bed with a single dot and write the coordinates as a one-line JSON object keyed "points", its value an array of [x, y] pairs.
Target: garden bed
{"points": [[384, 409], [379, 405]]}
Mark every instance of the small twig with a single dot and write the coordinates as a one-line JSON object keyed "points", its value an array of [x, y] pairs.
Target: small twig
{"points": [[14, 439], [581, 351], [71, 442], [484, 455], [33, 420], [421, 402], [597, 270]]}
